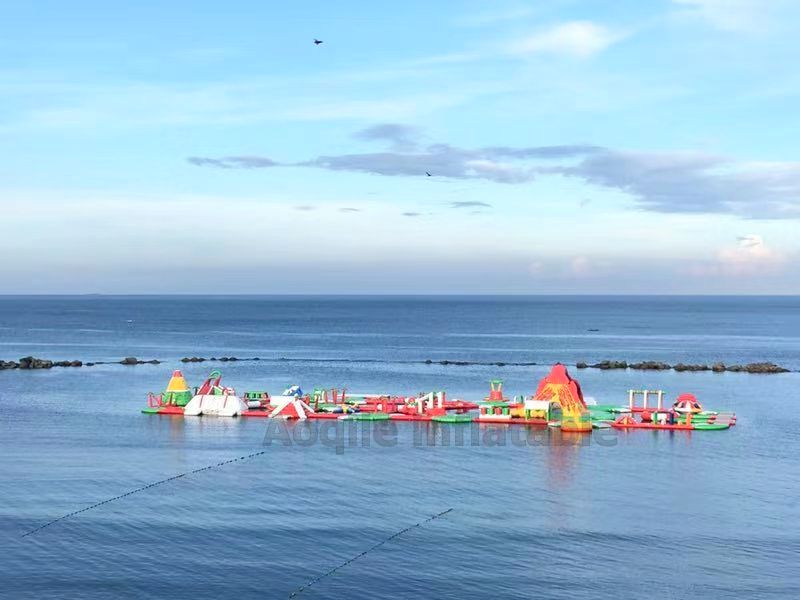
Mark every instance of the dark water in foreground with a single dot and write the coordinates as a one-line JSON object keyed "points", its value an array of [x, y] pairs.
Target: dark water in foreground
{"points": [[618, 515]]}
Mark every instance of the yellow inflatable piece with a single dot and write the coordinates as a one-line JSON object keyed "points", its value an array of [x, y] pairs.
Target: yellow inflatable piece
{"points": [[559, 387], [177, 383]]}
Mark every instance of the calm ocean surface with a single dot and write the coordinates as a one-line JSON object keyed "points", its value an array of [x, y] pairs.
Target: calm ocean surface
{"points": [[619, 515]]}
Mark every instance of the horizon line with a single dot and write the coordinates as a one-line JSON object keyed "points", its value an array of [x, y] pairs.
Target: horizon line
{"points": [[398, 295]]}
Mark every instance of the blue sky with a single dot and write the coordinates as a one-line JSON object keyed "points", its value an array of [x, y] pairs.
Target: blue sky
{"points": [[574, 147]]}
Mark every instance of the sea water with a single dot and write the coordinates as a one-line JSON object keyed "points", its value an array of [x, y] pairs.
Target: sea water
{"points": [[630, 514]]}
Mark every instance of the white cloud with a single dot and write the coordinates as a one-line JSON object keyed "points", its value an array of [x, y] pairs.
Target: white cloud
{"points": [[750, 256], [579, 39], [536, 267], [733, 15], [580, 265], [750, 240], [497, 171]]}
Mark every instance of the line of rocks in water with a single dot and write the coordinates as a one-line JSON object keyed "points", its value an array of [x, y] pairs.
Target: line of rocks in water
{"points": [[718, 367], [199, 359], [464, 363], [457, 363], [31, 362]]}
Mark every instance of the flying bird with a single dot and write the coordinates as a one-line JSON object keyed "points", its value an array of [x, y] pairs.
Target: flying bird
{"points": [[317, 42], [428, 174]]}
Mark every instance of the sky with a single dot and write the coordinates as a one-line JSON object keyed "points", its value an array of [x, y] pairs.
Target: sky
{"points": [[567, 146]]}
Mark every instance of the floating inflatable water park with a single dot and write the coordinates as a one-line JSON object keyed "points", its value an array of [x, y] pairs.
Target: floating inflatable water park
{"points": [[557, 402]]}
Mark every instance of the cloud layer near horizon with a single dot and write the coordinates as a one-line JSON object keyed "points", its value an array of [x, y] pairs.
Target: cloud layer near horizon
{"points": [[669, 182]]}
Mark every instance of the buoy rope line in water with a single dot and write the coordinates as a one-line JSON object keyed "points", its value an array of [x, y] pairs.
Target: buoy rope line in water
{"points": [[143, 488], [365, 552]]}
